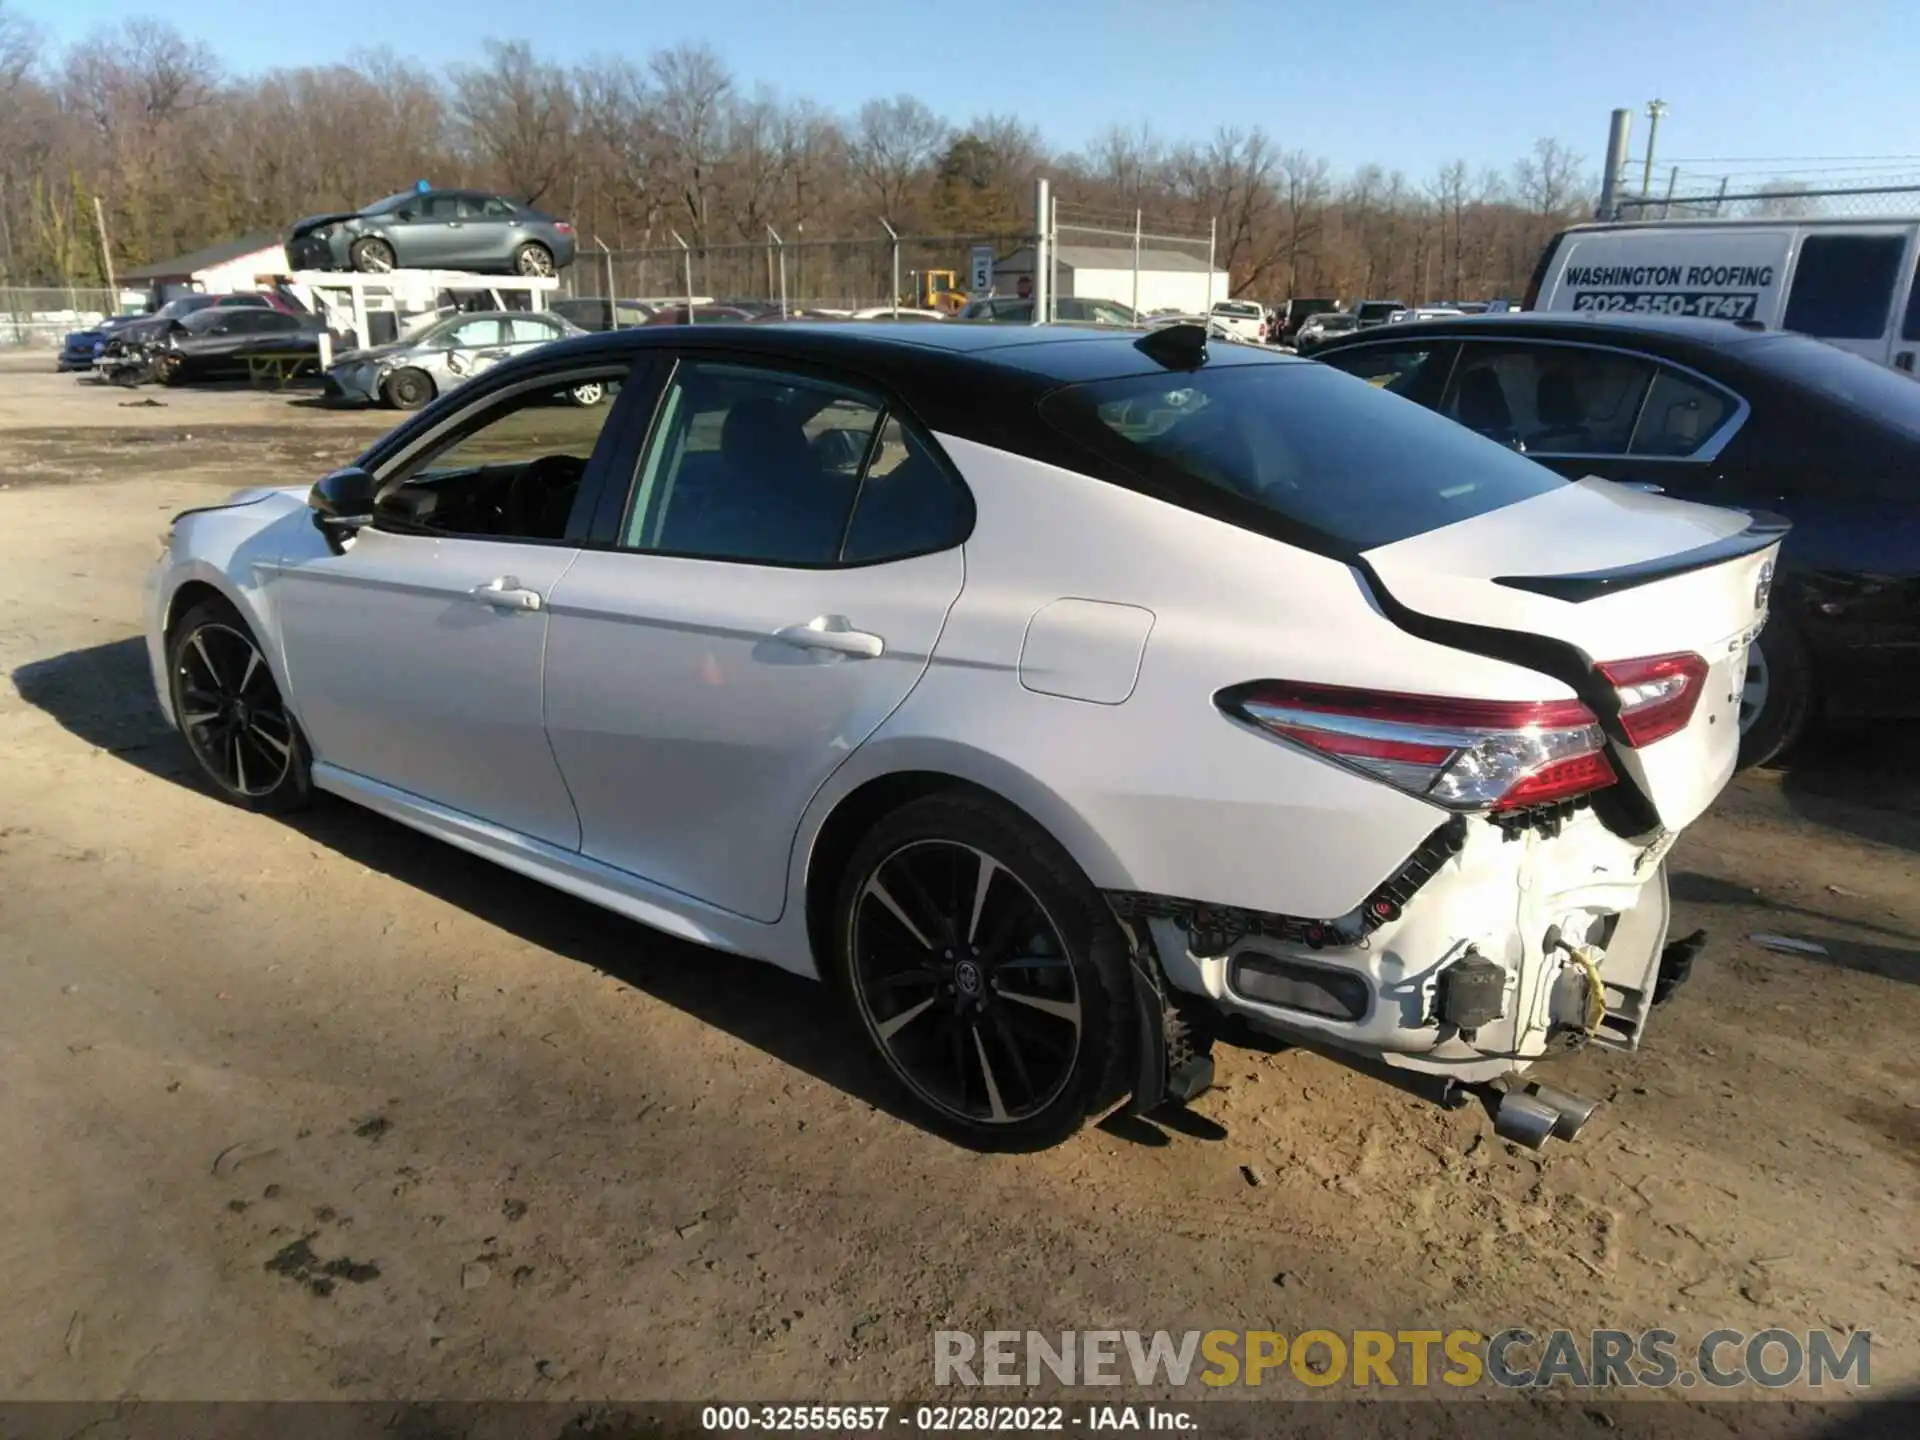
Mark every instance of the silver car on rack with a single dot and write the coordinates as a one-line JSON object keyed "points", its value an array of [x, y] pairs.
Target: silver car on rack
{"points": [[445, 354]]}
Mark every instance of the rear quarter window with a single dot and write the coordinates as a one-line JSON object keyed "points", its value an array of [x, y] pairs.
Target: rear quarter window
{"points": [[1298, 450]]}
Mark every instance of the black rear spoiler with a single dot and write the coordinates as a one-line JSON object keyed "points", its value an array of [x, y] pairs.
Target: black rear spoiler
{"points": [[1762, 530]]}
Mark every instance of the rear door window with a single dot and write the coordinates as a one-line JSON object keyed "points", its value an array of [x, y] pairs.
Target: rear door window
{"points": [[1295, 449], [1681, 415], [1843, 286], [1910, 327], [1549, 399], [1413, 371]]}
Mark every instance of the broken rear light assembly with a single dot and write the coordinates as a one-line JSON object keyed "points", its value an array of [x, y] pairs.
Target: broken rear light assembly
{"points": [[1469, 755]]}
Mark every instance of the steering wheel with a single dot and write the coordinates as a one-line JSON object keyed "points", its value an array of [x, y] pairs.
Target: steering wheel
{"points": [[532, 492]]}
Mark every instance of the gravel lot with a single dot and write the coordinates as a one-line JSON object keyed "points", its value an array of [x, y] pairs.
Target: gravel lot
{"points": [[325, 1109]]}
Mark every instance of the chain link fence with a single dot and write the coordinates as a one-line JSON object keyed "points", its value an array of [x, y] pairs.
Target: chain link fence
{"points": [[1778, 202], [41, 316], [798, 274], [1148, 266]]}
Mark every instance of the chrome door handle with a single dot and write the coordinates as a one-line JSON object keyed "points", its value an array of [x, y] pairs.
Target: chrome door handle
{"points": [[504, 592], [834, 633]]}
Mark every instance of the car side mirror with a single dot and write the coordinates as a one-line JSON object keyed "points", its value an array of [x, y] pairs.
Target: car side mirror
{"points": [[342, 502]]}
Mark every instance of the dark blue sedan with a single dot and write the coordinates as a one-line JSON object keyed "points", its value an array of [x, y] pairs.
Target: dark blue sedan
{"points": [[81, 347]]}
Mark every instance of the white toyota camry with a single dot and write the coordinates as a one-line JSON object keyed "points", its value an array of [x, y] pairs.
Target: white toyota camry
{"points": [[1067, 699]]}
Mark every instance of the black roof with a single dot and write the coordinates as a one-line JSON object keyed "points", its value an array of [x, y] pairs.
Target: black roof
{"points": [[912, 356], [1675, 335]]}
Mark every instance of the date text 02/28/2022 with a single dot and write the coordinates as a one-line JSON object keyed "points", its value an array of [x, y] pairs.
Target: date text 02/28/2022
{"points": [[944, 1419]]}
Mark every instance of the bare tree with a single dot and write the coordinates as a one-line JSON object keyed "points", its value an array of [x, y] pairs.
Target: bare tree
{"points": [[517, 115], [692, 96], [1549, 180], [892, 143]]}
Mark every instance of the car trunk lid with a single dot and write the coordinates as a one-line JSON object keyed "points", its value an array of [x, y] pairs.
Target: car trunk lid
{"points": [[1594, 573]]}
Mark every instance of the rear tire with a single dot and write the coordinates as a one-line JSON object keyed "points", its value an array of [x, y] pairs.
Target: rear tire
{"points": [[371, 255], [533, 259], [407, 389], [1002, 1001], [227, 704], [587, 394], [1777, 701]]}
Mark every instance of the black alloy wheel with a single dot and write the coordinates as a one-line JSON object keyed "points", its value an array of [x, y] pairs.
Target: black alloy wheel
{"points": [[986, 971], [228, 707]]}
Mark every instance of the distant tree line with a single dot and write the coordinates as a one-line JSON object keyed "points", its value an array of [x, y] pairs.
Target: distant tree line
{"points": [[183, 154]]}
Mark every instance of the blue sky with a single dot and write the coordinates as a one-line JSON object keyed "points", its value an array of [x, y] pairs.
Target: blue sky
{"points": [[1401, 82]]}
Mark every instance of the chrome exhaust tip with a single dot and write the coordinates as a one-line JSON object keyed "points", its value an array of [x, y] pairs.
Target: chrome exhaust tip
{"points": [[1573, 1111], [1524, 1120]]}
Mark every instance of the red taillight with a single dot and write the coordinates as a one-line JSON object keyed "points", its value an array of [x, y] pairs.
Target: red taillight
{"points": [[563, 227], [1658, 694], [1464, 754]]}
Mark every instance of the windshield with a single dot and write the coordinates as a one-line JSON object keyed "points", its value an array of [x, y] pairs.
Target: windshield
{"points": [[1236, 307], [392, 202], [1379, 309], [1862, 386], [1332, 322], [1330, 454]]}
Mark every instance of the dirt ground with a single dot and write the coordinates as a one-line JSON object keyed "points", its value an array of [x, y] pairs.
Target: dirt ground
{"points": [[326, 1109]]}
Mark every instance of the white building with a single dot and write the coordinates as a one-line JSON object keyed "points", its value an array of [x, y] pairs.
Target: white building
{"points": [[224, 269], [1168, 279]]}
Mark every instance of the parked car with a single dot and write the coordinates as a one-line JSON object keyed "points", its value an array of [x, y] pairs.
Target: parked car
{"points": [[1292, 314], [1241, 319], [1323, 326], [1424, 312], [81, 348], [703, 315], [218, 342], [434, 230], [1248, 679], [596, 312], [1369, 313], [1710, 412], [446, 355], [147, 328], [902, 312], [1851, 282], [1071, 309]]}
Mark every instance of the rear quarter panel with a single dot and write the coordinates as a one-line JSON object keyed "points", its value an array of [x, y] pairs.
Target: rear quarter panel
{"points": [[1163, 793]]}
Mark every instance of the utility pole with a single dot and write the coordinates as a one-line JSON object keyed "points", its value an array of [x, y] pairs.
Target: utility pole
{"points": [[106, 258], [1617, 132], [1655, 109]]}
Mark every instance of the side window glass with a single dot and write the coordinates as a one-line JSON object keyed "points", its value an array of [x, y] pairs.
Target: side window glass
{"points": [[1549, 399], [475, 334], [509, 471], [1843, 286], [751, 464], [1910, 327], [495, 208], [1397, 369], [1680, 416], [910, 504], [529, 331], [441, 207]]}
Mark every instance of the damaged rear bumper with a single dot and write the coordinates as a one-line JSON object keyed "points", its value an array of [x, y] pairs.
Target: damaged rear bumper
{"points": [[1493, 946]]}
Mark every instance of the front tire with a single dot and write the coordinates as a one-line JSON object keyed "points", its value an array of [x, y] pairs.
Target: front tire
{"points": [[169, 370], [587, 394], [371, 255], [406, 389], [228, 707], [987, 972], [1776, 701]]}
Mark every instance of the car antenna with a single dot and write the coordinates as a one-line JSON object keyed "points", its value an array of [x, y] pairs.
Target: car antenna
{"points": [[1177, 347]]}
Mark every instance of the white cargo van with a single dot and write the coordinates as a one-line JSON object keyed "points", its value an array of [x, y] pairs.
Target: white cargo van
{"points": [[1849, 282]]}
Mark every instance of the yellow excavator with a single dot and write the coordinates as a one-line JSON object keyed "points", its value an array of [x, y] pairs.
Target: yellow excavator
{"points": [[935, 290]]}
